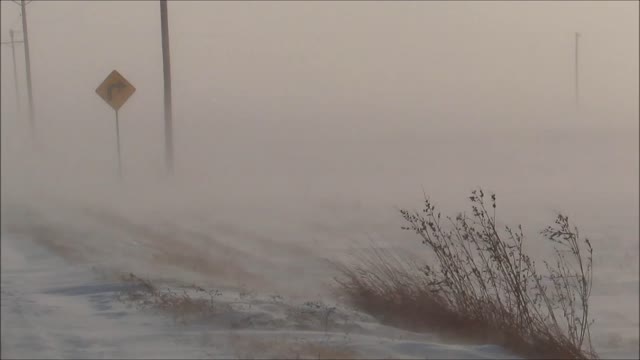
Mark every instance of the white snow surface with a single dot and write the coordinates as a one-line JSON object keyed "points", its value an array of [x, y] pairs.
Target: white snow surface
{"points": [[64, 303]]}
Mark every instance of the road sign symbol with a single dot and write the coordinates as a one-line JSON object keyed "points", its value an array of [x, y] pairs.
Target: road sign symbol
{"points": [[115, 90]]}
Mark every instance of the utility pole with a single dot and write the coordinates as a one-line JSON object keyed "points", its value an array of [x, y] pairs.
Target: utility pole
{"points": [[577, 88], [15, 71], [168, 123], [27, 59]]}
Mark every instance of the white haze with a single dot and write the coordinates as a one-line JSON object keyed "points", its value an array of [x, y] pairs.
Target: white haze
{"points": [[307, 121]]}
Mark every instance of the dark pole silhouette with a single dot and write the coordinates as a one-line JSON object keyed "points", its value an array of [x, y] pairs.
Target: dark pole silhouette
{"points": [[15, 70], [27, 60], [168, 122], [577, 87]]}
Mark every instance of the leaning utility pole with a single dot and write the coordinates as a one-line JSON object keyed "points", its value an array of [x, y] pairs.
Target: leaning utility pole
{"points": [[15, 71], [168, 125], [577, 88]]}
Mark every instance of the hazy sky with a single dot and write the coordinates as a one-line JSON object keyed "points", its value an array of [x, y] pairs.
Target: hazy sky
{"points": [[282, 60], [257, 83]]}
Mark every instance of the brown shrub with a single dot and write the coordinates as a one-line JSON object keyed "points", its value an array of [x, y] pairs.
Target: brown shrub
{"points": [[482, 286]]}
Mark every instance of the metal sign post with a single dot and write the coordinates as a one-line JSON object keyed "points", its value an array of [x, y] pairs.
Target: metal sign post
{"points": [[118, 142], [577, 79], [115, 90]]}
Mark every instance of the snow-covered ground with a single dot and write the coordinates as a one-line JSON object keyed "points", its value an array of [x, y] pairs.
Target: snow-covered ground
{"points": [[73, 308], [260, 228]]}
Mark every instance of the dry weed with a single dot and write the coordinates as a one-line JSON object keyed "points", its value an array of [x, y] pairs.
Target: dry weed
{"points": [[483, 286], [182, 306]]}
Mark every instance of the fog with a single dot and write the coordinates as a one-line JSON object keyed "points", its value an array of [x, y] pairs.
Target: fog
{"points": [[312, 120]]}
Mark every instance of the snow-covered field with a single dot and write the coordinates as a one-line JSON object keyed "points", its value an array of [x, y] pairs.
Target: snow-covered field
{"points": [[59, 302], [260, 230]]}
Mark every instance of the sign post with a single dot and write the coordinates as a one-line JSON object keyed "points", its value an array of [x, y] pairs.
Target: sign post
{"points": [[115, 90], [118, 141]]}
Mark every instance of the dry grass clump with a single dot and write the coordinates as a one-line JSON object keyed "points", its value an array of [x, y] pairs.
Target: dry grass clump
{"points": [[482, 285], [182, 306]]}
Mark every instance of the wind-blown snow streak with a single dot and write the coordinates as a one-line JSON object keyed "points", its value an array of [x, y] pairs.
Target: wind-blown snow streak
{"points": [[51, 308]]}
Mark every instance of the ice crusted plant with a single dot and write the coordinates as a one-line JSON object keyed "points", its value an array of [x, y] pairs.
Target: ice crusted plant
{"points": [[481, 285]]}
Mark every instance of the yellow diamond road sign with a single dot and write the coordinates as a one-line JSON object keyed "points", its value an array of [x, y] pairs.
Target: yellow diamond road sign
{"points": [[115, 90]]}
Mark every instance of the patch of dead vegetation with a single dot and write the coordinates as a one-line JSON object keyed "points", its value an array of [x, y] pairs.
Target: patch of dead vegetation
{"points": [[482, 287], [186, 249], [182, 306], [252, 347], [62, 242]]}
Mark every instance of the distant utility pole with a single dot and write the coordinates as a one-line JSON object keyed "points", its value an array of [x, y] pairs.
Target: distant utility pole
{"points": [[27, 59], [15, 71], [577, 88], [168, 124]]}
